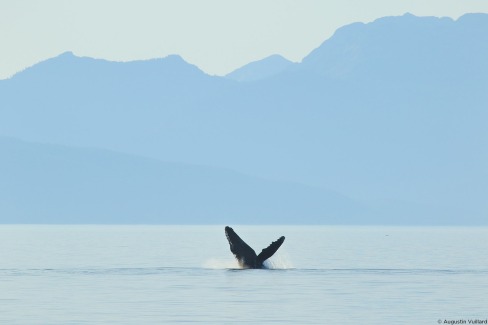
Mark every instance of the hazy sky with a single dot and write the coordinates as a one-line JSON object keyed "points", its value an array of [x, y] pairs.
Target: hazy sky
{"points": [[216, 35]]}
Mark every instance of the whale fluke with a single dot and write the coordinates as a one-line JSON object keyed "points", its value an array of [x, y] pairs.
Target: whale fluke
{"points": [[245, 255]]}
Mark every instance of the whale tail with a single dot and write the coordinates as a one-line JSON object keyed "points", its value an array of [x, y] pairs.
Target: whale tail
{"points": [[270, 250], [245, 255]]}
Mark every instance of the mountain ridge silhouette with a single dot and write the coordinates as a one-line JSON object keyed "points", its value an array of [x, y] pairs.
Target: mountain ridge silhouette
{"points": [[390, 111]]}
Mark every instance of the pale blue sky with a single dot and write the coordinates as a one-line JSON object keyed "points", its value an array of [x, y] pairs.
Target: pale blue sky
{"points": [[216, 35]]}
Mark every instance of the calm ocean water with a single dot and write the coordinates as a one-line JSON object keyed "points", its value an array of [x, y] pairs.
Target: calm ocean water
{"points": [[186, 274]]}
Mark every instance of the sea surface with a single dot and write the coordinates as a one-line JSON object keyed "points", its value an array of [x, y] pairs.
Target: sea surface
{"points": [[97, 274]]}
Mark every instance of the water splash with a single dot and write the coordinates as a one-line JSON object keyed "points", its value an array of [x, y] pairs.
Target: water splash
{"points": [[217, 264], [279, 261]]}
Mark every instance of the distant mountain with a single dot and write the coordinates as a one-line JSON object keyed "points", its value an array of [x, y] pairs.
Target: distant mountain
{"points": [[68, 80], [265, 68], [392, 113], [55, 184], [405, 49]]}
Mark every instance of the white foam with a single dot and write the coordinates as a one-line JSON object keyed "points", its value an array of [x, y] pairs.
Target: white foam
{"points": [[217, 264], [280, 261]]}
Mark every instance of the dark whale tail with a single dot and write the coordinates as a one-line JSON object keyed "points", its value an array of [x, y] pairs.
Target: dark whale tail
{"points": [[245, 255]]}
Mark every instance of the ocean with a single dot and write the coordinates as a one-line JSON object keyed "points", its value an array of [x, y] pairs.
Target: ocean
{"points": [[152, 274]]}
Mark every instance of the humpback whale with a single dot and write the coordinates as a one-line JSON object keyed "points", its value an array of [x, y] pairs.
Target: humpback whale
{"points": [[245, 255]]}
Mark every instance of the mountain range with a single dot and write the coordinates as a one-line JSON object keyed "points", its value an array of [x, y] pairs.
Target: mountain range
{"points": [[384, 122]]}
